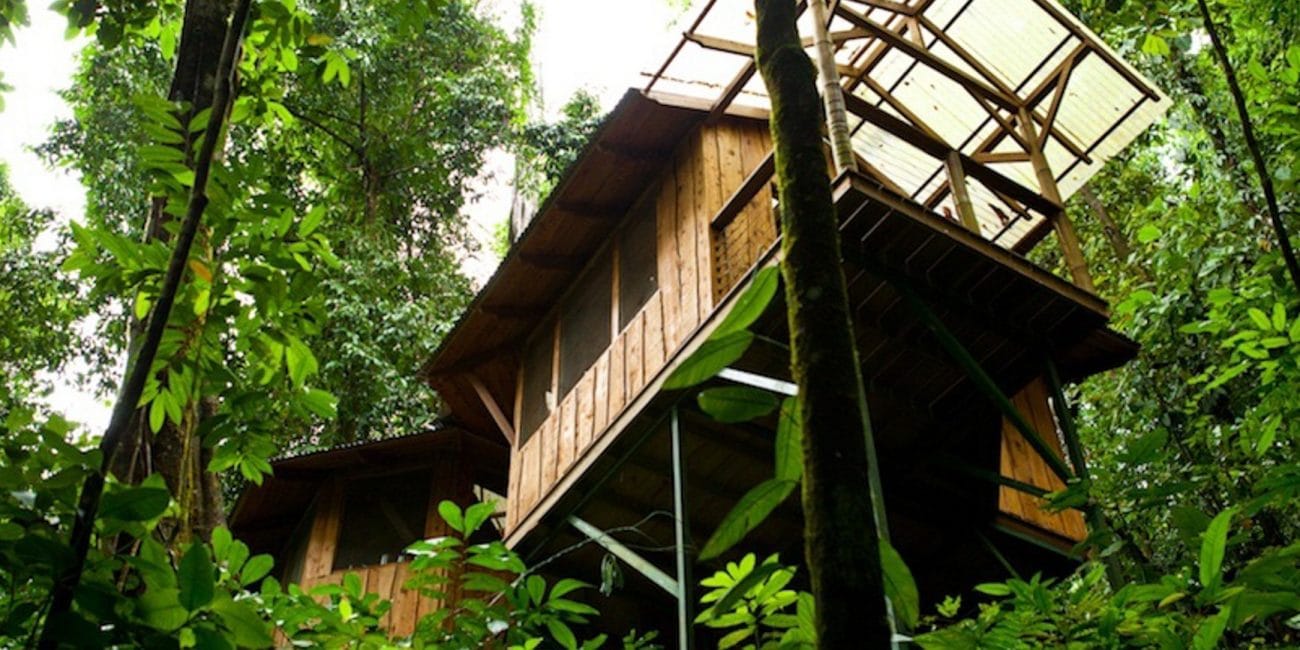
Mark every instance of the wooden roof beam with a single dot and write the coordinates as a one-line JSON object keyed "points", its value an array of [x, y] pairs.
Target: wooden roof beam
{"points": [[590, 210], [940, 150], [470, 363], [493, 409], [516, 312], [928, 58], [892, 6], [552, 262], [634, 154], [744, 49]]}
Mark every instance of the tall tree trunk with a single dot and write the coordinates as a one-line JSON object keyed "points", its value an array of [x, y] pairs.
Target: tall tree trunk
{"points": [[176, 451], [841, 538]]}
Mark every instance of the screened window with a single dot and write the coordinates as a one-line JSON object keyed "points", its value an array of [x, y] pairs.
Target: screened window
{"points": [[381, 517], [637, 263], [537, 381], [585, 323]]}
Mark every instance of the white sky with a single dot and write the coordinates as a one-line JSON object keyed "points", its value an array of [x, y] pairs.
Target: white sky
{"points": [[600, 45]]}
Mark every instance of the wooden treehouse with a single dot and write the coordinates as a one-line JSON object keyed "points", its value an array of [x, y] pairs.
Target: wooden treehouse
{"points": [[972, 121]]}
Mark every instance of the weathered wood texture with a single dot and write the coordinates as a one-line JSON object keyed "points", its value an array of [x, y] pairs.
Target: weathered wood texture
{"points": [[740, 147], [705, 169], [450, 480], [1021, 462]]}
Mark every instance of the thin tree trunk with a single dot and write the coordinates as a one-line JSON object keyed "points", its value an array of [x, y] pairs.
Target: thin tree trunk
{"points": [[1252, 145], [841, 537]]}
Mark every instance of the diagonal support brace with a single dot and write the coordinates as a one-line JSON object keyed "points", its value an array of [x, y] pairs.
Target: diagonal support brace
{"points": [[642, 565], [983, 382]]}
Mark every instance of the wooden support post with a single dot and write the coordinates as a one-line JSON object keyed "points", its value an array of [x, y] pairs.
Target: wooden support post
{"points": [[494, 409], [983, 382], [1065, 234], [681, 537], [832, 94], [960, 192]]}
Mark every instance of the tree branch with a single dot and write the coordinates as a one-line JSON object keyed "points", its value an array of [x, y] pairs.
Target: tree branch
{"points": [[1252, 145]]}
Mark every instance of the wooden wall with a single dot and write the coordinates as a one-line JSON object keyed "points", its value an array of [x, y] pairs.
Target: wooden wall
{"points": [[706, 168], [1021, 462], [451, 480], [742, 146]]}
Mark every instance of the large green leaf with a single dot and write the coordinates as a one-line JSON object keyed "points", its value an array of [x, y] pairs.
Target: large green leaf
{"points": [[196, 580], [751, 304], [134, 503], [746, 515], [1213, 545], [247, 628], [789, 442], [736, 403], [713, 355], [900, 587], [161, 609]]}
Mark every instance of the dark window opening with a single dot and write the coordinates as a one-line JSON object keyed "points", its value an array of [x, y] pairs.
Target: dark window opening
{"points": [[637, 263], [537, 382], [585, 323], [381, 517]]}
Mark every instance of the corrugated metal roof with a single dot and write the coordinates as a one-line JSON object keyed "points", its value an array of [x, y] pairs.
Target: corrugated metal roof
{"points": [[957, 69]]}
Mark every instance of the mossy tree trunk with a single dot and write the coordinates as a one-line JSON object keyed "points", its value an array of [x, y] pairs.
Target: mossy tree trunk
{"points": [[841, 537]]}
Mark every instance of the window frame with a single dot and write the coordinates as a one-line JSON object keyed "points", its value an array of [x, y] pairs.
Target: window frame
{"points": [[552, 322]]}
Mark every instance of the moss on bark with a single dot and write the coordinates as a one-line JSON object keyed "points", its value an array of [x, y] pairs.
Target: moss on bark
{"points": [[841, 539]]}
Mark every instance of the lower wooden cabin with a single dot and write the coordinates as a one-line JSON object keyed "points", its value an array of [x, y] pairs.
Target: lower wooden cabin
{"points": [[354, 509]]}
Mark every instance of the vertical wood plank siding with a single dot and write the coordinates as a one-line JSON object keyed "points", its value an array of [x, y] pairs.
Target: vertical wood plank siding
{"points": [[692, 275], [1021, 462], [450, 480]]}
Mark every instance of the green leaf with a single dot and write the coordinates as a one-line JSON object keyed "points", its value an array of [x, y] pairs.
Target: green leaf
{"points": [[711, 357], [247, 628], [1260, 319], [451, 514], [321, 403], [1148, 233], [476, 515], [900, 587], [789, 442], [196, 581], [746, 515], [993, 589], [731, 597], [566, 586], [1213, 545], [161, 609], [311, 221], [562, 634], [157, 413], [1279, 317], [1155, 46], [736, 403], [256, 568], [135, 503], [751, 303], [1210, 631]]}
